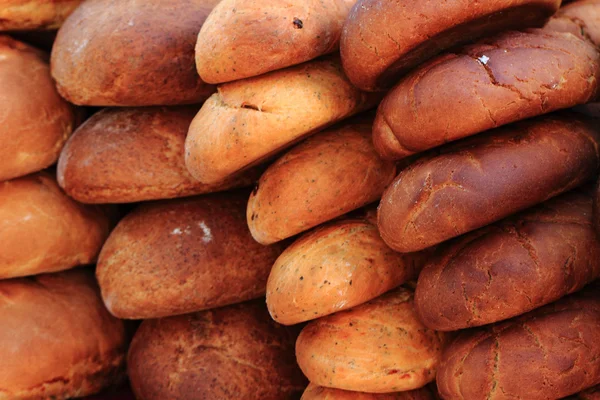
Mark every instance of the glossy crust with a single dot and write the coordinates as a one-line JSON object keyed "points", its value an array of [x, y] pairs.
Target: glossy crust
{"points": [[243, 38], [44, 230], [58, 340], [487, 178], [315, 392], [236, 352], [131, 53], [123, 155], [507, 78], [378, 347], [328, 175], [581, 18], [17, 15], [33, 128], [382, 40], [549, 353], [249, 120], [512, 267]]}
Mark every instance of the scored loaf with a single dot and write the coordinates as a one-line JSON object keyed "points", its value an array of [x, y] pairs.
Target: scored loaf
{"points": [[315, 392], [18, 15]]}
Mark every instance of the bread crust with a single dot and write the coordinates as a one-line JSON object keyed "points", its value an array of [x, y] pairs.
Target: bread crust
{"points": [[315, 392], [581, 18], [18, 15]]}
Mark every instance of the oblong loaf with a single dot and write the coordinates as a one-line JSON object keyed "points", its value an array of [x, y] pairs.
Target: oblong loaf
{"points": [[249, 120], [19, 15], [315, 392], [511, 267], [484, 179]]}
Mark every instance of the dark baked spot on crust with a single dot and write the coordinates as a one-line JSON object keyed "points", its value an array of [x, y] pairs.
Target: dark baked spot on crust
{"points": [[298, 24]]}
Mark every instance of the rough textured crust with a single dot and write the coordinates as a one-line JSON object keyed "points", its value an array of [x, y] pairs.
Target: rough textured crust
{"points": [[134, 154], [377, 347], [57, 323], [487, 178], [249, 120], [181, 256], [512, 267], [243, 38], [33, 129], [43, 230], [549, 353], [333, 268], [17, 15], [328, 175], [581, 18], [131, 53], [236, 352], [507, 78], [315, 392], [382, 40]]}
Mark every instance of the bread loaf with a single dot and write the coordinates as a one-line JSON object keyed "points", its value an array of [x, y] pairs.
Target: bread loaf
{"points": [[382, 40], [249, 120], [235, 352], [378, 347], [131, 53], [17, 15], [590, 394], [322, 178], [58, 340], [487, 178], [315, 392], [125, 155], [549, 353], [507, 78], [582, 18], [243, 38], [506, 269]]}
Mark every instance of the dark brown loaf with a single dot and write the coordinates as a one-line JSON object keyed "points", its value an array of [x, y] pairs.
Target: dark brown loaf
{"points": [[487, 178], [17, 15], [511, 267], [315, 392], [235, 352]]}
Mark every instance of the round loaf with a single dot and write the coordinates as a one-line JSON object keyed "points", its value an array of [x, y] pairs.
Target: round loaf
{"points": [[549, 353], [180, 256], [487, 178], [33, 129], [236, 352], [58, 340], [315, 392], [326, 176], [512, 267], [17, 15], [582, 18], [131, 53], [44, 230], [382, 40], [513, 76], [377, 347], [123, 155]]}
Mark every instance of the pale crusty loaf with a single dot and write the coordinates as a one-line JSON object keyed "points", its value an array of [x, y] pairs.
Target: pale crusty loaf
{"points": [[17, 15], [581, 18], [315, 392], [58, 340]]}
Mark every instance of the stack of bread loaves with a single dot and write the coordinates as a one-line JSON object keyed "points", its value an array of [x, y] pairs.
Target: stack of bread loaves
{"points": [[422, 222]]}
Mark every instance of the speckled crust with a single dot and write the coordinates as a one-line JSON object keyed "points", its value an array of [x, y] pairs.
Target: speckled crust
{"points": [[123, 155], [33, 129], [235, 352], [333, 268], [507, 78], [486, 178], [512, 267], [131, 53], [244, 38], [58, 340], [328, 175], [315, 392], [549, 353], [382, 40], [179, 256], [377, 347], [249, 120], [17, 15], [581, 18], [43, 230]]}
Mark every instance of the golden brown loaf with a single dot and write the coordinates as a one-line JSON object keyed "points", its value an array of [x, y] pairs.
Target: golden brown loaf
{"points": [[16, 15], [315, 392], [382, 40], [58, 340], [512, 267], [131, 53], [235, 352], [43, 230], [326, 176], [378, 347], [510, 77], [125, 155], [249, 120], [581, 18], [179, 256], [35, 121], [487, 178], [244, 38]]}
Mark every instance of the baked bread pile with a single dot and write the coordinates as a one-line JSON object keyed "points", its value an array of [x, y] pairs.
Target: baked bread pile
{"points": [[269, 199]]}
